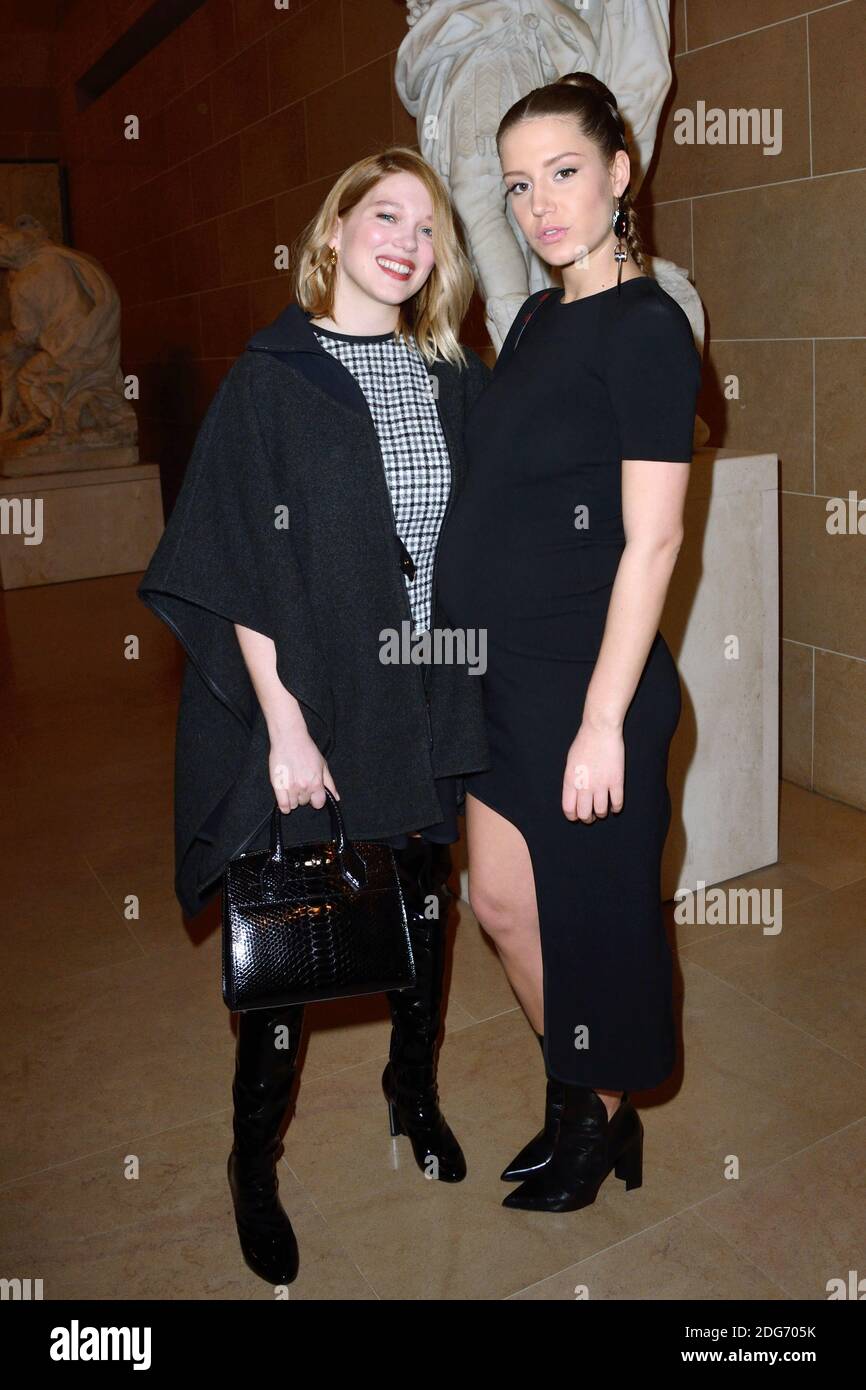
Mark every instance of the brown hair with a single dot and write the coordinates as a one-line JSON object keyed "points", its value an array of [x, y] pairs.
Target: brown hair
{"points": [[434, 314], [583, 98]]}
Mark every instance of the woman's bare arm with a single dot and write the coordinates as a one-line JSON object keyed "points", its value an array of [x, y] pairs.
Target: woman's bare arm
{"points": [[279, 706], [653, 498], [298, 772]]}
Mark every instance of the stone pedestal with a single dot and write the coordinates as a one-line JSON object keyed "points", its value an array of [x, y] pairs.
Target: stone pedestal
{"points": [[19, 462], [723, 771], [724, 764], [94, 522]]}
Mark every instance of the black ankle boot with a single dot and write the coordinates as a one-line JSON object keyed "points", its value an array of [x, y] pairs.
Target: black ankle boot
{"points": [[409, 1079], [538, 1152], [264, 1073], [587, 1146]]}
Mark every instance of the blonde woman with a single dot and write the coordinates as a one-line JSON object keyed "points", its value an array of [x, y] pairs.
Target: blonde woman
{"points": [[303, 541]]}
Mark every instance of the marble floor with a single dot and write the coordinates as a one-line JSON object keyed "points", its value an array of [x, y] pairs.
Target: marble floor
{"points": [[117, 1050]]}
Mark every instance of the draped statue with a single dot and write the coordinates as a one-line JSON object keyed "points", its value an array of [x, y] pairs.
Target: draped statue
{"points": [[463, 63], [61, 386]]}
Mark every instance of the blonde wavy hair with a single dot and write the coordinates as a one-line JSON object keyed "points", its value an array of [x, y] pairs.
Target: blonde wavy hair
{"points": [[434, 314]]}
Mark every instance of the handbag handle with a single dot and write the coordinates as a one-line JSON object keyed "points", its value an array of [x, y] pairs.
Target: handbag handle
{"points": [[352, 867]]}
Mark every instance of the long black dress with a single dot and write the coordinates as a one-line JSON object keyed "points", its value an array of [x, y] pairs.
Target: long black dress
{"points": [[530, 553]]}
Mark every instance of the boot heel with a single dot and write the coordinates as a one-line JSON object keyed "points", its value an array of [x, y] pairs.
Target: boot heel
{"points": [[629, 1166], [409, 1080], [393, 1122]]}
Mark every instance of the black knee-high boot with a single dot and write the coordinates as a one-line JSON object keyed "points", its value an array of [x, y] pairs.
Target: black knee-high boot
{"points": [[265, 1064], [538, 1152], [409, 1080]]}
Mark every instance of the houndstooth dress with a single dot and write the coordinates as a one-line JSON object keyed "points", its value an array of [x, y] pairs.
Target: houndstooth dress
{"points": [[396, 384]]}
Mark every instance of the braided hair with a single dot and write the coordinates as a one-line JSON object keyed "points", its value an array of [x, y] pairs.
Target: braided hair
{"points": [[585, 99]]}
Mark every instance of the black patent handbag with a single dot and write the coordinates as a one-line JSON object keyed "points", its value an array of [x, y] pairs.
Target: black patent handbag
{"points": [[315, 921]]}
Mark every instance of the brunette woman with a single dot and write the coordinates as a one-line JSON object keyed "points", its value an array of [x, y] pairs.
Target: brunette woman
{"points": [[562, 546]]}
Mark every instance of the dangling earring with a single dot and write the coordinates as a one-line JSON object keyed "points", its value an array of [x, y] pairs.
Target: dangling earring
{"points": [[333, 258], [619, 222]]}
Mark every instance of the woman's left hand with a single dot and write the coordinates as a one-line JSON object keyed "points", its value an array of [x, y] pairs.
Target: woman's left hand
{"points": [[594, 773]]}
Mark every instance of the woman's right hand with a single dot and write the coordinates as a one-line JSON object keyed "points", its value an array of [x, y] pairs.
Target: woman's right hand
{"points": [[298, 771]]}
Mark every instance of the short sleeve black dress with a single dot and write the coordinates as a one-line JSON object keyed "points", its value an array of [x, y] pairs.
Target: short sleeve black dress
{"points": [[530, 553]]}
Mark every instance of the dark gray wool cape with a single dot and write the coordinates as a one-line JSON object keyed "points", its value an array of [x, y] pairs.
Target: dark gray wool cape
{"points": [[284, 524]]}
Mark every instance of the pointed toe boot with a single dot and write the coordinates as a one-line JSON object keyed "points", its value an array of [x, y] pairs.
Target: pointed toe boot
{"points": [[588, 1145]]}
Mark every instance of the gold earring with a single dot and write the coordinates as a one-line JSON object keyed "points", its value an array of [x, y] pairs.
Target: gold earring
{"points": [[333, 260]]}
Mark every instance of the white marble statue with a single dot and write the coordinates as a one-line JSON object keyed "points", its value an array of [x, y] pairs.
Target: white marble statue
{"points": [[461, 66], [61, 387]]}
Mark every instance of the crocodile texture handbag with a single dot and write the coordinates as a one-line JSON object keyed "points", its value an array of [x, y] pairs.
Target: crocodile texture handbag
{"points": [[315, 921]]}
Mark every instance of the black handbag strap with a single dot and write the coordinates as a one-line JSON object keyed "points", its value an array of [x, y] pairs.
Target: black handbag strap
{"points": [[352, 867]]}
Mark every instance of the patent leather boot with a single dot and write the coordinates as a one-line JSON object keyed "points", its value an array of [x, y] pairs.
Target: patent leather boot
{"points": [[266, 1057], [409, 1080], [539, 1150], [587, 1146]]}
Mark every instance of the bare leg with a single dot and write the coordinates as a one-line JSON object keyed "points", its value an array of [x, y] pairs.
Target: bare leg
{"points": [[611, 1100], [502, 895]]}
